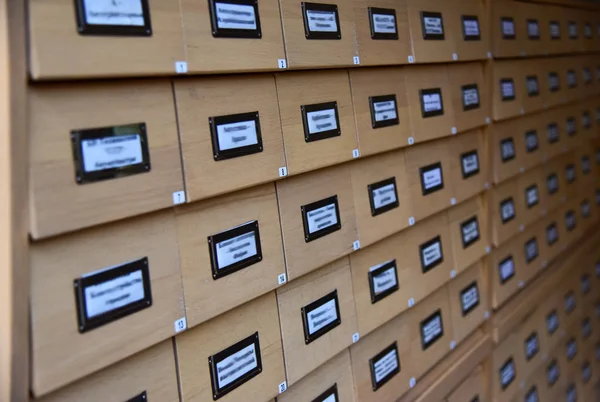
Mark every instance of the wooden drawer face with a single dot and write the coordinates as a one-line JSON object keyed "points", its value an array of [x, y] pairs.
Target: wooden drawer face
{"points": [[232, 50], [506, 211], [555, 82], [150, 373], [380, 108], [377, 300], [555, 186], [76, 327], [467, 23], [307, 48], [430, 31], [554, 133], [86, 120], [257, 324], [215, 279], [430, 102], [308, 244], [554, 323], [371, 380], [381, 196], [324, 96], [324, 295], [212, 124], [428, 171], [382, 45], [58, 50], [537, 35], [468, 301], [468, 168], [533, 78], [335, 376], [469, 96], [506, 368], [507, 88], [553, 236], [505, 271], [506, 30], [431, 331], [471, 389], [469, 233], [532, 130], [507, 144], [531, 195], [530, 337]]}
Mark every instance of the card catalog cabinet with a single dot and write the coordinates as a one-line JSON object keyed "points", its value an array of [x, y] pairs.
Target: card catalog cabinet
{"points": [[506, 368], [468, 23], [468, 165], [430, 30], [507, 89], [506, 211], [505, 265], [470, 100]]}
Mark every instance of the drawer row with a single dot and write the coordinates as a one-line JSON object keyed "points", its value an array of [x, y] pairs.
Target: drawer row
{"points": [[245, 348], [530, 85], [95, 143], [528, 29], [87, 38]]}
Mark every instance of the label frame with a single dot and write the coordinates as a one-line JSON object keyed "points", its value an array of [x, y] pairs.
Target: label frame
{"points": [[83, 28], [327, 393], [376, 186], [372, 274], [305, 209], [553, 88], [305, 109], [423, 246], [502, 204], [537, 200], [508, 362], [469, 221], [551, 314], [552, 128], [382, 35], [466, 175], [529, 259], [532, 336], [550, 241], [384, 123], [468, 288], [466, 37], [425, 169], [570, 213], [532, 94], [307, 6], [552, 178], [431, 113], [372, 361], [537, 23], [553, 364], [509, 98], [216, 121], [529, 134], [470, 87], [506, 36], [435, 314], [234, 33], [305, 310], [508, 278], [432, 36]]}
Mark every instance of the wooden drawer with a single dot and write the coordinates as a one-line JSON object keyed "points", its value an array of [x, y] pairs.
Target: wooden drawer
{"points": [[250, 333], [508, 148], [506, 369], [508, 29], [554, 133], [533, 141], [468, 171], [468, 301], [530, 196], [332, 378], [571, 304], [430, 102], [554, 186], [530, 243], [70, 120], [469, 96], [373, 378], [256, 47], [471, 389], [506, 263], [530, 346], [216, 278], [301, 96], [555, 82], [317, 318], [213, 161], [428, 171], [469, 232], [556, 373], [430, 31], [506, 211], [554, 324], [553, 236], [335, 46], [532, 77], [74, 335], [507, 89], [431, 331], [60, 48], [380, 109], [468, 23], [535, 22], [381, 197], [535, 386], [556, 29], [379, 44], [307, 247], [148, 374]]}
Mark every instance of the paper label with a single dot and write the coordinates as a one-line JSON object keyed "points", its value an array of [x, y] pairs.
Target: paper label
{"points": [[570, 220], [507, 88], [531, 250], [571, 126], [572, 30], [471, 27], [552, 322], [554, 30], [431, 329], [572, 394], [571, 349], [508, 27], [470, 97], [236, 135], [532, 346], [322, 316], [321, 120], [553, 81], [111, 152], [507, 148], [552, 183], [432, 178], [384, 196], [531, 141], [236, 249], [507, 269], [553, 373], [470, 163], [570, 302], [507, 373], [386, 365], [470, 231], [432, 102], [586, 328], [586, 165], [235, 16], [552, 133], [551, 234], [532, 395], [571, 79], [384, 280], [114, 293], [533, 87], [322, 218], [533, 29], [385, 110], [587, 75], [433, 25], [384, 23], [586, 372], [321, 21], [432, 253], [585, 209], [120, 13], [469, 298], [532, 196], [507, 210]]}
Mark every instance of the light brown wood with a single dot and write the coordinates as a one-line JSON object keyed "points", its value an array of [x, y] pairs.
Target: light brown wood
{"points": [[60, 354], [302, 257], [502, 232], [59, 51], [532, 123], [501, 292], [370, 171], [507, 70], [464, 188], [206, 297], [426, 50], [470, 389], [302, 358], [317, 53], [533, 325], [207, 54], [337, 370], [525, 182], [151, 371], [376, 51], [194, 347], [533, 68], [379, 82], [466, 74], [553, 201], [503, 170], [58, 204], [500, 356], [295, 90], [507, 47], [469, 49], [202, 98]]}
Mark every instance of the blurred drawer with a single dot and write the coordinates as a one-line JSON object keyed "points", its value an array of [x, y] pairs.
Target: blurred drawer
{"points": [[468, 171]]}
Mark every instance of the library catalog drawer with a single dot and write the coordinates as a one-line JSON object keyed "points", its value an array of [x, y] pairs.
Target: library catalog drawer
{"points": [[468, 169], [230, 250], [430, 31], [508, 29], [529, 335], [506, 211], [468, 23], [533, 90], [506, 263], [470, 100], [228, 142], [507, 145], [531, 195], [246, 341], [95, 302], [508, 90], [67, 44], [471, 389], [506, 369], [100, 152], [317, 217], [535, 22], [316, 118], [380, 108]]}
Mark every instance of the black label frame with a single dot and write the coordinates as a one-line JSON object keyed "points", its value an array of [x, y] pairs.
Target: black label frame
{"points": [[332, 8], [306, 310], [375, 297], [436, 314], [112, 30], [215, 122], [305, 209], [383, 123], [372, 188], [382, 35], [372, 361], [426, 268], [305, 109], [431, 113], [234, 33]]}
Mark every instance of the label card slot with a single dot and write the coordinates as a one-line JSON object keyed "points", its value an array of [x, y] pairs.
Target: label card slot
{"points": [[432, 178], [586, 165], [571, 349], [112, 293], [383, 196], [432, 103], [469, 164], [553, 82], [507, 372], [321, 121], [571, 79], [570, 220], [531, 250], [552, 322], [507, 210], [383, 23], [432, 329], [586, 372], [383, 280], [321, 21], [586, 208], [507, 26], [469, 231], [470, 28], [552, 183], [469, 298], [571, 126], [532, 196], [533, 29], [533, 86], [552, 133], [586, 120], [532, 346], [139, 398], [507, 89], [234, 19], [532, 395], [570, 303], [531, 141], [110, 152], [235, 135], [384, 111], [570, 173], [552, 373], [235, 365], [320, 316], [573, 32], [331, 395], [470, 97], [105, 18], [551, 234], [431, 254], [585, 284], [506, 269], [508, 151], [554, 30], [432, 25], [234, 249], [384, 366], [586, 329], [320, 218]]}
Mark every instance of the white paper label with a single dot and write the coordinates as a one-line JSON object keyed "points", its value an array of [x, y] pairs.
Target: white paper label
{"points": [[235, 16], [532, 396], [552, 322], [533, 28], [585, 209], [553, 373], [553, 81], [588, 30], [471, 27], [432, 178], [235, 366], [572, 30], [470, 163], [121, 13], [571, 79], [383, 196], [432, 102], [507, 374], [113, 294], [384, 23], [431, 329], [532, 86], [236, 135], [236, 249], [321, 218], [554, 30], [587, 373], [532, 196], [508, 27], [572, 394], [321, 21], [321, 316], [531, 346], [469, 298], [432, 253], [508, 210], [384, 366], [507, 269], [385, 110], [531, 141], [508, 89], [551, 234], [470, 231], [321, 120], [385, 280], [433, 25], [470, 97], [111, 152], [569, 303], [571, 349]]}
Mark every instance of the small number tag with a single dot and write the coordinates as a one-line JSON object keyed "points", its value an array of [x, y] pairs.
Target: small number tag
{"points": [[356, 60], [452, 345], [282, 387], [281, 278], [355, 153], [411, 59], [283, 171], [178, 197], [356, 245], [282, 63], [412, 382], [355, 337], [180, 325], [411, 302], [181, 67], [411, 221]]}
